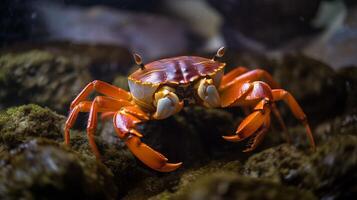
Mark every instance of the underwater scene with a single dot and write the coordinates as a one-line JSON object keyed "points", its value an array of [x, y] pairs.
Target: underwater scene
{"points": [[178, 99]]}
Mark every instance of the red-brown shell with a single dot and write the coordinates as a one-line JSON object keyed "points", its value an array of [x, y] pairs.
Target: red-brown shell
{"points": [[177, 70]]}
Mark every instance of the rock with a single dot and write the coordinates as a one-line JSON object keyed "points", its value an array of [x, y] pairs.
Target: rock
{"points": [[335, 163], [41, 169], [283, 164], [172, 185], [21, 124], [231, 186], [104, 61], [40, 77]]}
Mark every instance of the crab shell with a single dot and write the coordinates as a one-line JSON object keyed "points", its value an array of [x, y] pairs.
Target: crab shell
{"points": [[174, 72]]}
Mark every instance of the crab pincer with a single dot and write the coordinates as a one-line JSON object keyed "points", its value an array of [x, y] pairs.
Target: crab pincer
{"points": [[125, 122]]}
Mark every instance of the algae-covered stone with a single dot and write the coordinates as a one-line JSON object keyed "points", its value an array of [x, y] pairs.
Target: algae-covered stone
{"points": [[282, 164], [174, 184], [40, 77], [231, 186], [335, 165], [20, 124], [41, 169]]}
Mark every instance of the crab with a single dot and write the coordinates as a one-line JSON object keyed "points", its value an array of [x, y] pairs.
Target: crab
{"points": [[161, 88]]}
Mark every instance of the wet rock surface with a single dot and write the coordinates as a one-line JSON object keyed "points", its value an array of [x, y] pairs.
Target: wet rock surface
{"points": [[39, 77], [41, 169], [33, 157]]}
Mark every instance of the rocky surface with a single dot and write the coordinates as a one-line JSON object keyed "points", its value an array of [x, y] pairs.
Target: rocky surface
{"points": [[35, 164], [39, 77]]}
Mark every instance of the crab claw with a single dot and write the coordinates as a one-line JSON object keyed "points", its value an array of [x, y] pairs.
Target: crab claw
{"points": [[125, 122], [250, 124], [150, 157]]}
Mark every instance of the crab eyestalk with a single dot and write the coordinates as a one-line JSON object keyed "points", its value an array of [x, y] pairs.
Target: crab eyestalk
{"points": [[167, 103], [219, 54], [138, 60], [208, 93]]}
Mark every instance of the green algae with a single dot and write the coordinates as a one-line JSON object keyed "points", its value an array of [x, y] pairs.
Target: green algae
{"points": [[20, 124]]}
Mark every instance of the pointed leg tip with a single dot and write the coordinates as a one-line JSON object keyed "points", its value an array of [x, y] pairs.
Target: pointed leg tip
{"points": [[232, 138], [169, 167]]}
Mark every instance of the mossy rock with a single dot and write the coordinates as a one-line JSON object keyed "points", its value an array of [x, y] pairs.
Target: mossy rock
{"points": [[20, 124], [283, 164], [42, 169], [40, 77], [335, 165], [227, 185], [173, 184]]}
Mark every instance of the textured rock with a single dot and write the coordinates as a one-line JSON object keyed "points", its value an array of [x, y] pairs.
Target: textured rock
{"points": [[21, 124], [39, 77], [170, 186], [41, 169], [232, 186], [283, 164], [335, 163]]}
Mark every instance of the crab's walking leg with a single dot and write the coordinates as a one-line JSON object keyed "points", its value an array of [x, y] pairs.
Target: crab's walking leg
{"points": [[83, 106], [280, 94], [257, 139], [231, 75], [259, 117], [281, 122], [250, 76], [101, 104], [125, 122], [103, 88]]}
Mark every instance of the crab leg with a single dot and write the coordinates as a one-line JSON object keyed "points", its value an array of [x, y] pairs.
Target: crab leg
{"points": [[83, 106], [100, 104], [251, 76], [231, 75], [259, 136], [125, 122], [103, 88], [252, 122], [281, 122], [280, 94]]}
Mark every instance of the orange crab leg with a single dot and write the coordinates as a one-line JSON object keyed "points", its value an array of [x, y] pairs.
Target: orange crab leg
{"points": [[103, 88], [231, 75], [83, 106], [235, 93], [252, 122], [259, 136], [100, 104], [280, 94], [281, 122], [125, 122], [251, 76]]}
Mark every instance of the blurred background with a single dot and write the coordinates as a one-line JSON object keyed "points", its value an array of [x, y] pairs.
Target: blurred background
{"points": [[323, 29]]}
